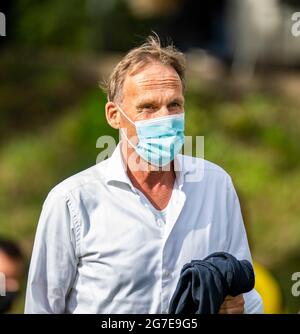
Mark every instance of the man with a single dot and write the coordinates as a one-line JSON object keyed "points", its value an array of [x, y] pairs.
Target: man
{"points": [[11, 273], [113, 238]]}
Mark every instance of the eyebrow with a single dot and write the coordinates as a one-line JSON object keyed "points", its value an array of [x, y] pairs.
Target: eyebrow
{"points": [[178, 100]]}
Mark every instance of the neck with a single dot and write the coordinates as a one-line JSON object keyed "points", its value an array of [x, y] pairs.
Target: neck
{"points": [[143, 175]]}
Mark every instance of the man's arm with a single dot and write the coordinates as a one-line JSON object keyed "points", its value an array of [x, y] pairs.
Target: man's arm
{"points": [[53, 263], [238, 246]]}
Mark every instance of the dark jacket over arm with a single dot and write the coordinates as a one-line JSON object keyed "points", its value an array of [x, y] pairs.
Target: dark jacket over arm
{"points": [[204, 284]]}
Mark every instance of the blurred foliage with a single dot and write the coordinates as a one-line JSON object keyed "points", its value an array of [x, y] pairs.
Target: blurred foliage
{"points": [[85, 25], [54, 23]]}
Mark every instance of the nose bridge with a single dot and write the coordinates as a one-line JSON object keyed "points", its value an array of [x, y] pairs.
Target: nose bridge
{"points": [[163, 110]]}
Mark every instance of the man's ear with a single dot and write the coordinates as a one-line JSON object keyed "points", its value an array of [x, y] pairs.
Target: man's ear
{"points": [[112, 115]]}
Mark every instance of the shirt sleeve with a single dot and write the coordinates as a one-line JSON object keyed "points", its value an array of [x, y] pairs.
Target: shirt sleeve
{"points": [[53, 264], [238, 245]]}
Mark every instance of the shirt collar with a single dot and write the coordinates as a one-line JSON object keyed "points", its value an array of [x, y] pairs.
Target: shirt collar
{"points": [[116, 171]]}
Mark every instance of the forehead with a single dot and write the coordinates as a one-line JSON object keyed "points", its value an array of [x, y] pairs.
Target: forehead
{"points": [[155, 78]]}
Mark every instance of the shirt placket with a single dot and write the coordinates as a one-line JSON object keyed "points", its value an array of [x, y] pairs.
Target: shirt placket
{"points": [[168, 268]]}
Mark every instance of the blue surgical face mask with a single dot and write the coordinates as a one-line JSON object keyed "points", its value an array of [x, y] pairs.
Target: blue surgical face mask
{"points": [[160, 139]]}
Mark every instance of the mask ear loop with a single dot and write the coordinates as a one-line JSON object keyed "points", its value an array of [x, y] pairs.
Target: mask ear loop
{"points": [[132, 122], [125, 114], [123, 132], [129, 142]]}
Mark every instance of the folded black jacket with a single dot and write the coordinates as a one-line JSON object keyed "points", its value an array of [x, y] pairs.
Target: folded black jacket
{"points": [[204, 284]]}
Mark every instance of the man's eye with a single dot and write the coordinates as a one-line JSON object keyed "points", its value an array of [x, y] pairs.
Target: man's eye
{"points": [[175, 105], [149, 108]]}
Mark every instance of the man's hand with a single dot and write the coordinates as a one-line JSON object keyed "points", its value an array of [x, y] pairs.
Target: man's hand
{"points": [[233, 305]]}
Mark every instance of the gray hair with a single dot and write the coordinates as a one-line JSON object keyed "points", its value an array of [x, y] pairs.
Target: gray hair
{"points": [[135, 59]]}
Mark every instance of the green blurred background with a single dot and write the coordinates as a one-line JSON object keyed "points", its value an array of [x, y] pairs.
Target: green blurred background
{"points": [[52, 112]]}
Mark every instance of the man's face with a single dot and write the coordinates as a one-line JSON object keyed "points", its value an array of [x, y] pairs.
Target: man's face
{"points": [[12, 269], [156, 90]]}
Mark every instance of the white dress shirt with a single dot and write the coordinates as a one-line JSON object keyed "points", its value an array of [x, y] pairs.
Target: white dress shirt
{"points": [[101, 247]]}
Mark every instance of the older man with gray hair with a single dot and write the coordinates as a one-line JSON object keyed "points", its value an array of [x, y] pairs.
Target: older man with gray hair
{"points": [[114, 238]]}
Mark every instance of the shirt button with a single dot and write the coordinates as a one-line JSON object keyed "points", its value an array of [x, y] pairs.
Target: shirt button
{"points": [[159, 222], [166, 274]]}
